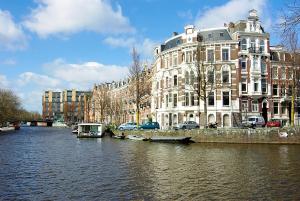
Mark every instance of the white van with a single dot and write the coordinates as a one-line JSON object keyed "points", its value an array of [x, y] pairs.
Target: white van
{"points": [[254, 121]]}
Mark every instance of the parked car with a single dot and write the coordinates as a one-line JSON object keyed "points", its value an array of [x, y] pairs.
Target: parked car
{"points": [[187, 125], [128, 126], [149, 125], [254, 121], [274, 123]]}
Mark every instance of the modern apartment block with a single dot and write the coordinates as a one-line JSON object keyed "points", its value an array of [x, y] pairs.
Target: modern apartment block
{"points": [[67, 105], [235, 67]]}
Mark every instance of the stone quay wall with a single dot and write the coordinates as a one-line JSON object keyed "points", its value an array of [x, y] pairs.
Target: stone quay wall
{"points": [[232, 135]]}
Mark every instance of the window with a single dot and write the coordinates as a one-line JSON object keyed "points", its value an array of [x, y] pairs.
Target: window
{"points": [[275, 107], [244, 44], [175, 80], [255, 64], [262, 46], [255, 106], [210, 76], [263, 67], [255, 85], [211, 99], [275, 90], [210, 55], [170, 97], [192, 99], [243, 65], [252, 44], [244, 105], [275, 72], [283, 74], [174, 100], [174, 60], [209, 35], [157, 85], [282, 90], [225, 75], [188, 57], [187, 77], [192, 78], [244, 84], [186, 99], [225, 54], [167, 82], [221, 34], [264, 86], [226, 98], [167, 100]]}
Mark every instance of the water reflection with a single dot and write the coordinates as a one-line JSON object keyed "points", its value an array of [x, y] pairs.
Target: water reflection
{"points": [[41, 164]]}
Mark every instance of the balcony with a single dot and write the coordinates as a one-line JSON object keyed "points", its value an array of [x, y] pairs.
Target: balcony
{"points": [[255, 50]]}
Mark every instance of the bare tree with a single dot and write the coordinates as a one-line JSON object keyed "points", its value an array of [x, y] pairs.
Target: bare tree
{"points": [[289, 30], [290, 17], [135, 71], [204, 83], [102, 100]]}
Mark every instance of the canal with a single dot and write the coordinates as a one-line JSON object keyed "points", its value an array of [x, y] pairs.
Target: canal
{"points": [[52, 164]]}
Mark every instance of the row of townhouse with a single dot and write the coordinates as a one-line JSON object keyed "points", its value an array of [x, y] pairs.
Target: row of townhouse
{"points": [[244, 75], [67, 105], [115, 102]]}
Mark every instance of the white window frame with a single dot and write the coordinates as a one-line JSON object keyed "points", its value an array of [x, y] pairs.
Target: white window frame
{"points": [[229, 96], [207, 55], [225, 48]]}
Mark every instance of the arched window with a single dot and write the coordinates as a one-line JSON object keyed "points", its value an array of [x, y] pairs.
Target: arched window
{"points": [[211, 118], [225, 74], [167, 82], [226, 120], [192, 77], [244, 44], [186, 77]]}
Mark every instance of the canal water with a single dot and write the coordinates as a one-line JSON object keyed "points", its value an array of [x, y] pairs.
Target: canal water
{"points": [[52, 164]]}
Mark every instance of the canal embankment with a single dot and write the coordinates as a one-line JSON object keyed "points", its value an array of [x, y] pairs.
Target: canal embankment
{"points": [[232, 135]]}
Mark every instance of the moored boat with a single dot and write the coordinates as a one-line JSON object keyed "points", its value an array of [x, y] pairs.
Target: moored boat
{"points": [[90, 130], [60, 124], [121, 137], [8, 128], [136, 137], [170, 139]]}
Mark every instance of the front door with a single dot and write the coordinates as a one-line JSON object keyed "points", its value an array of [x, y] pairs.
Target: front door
{"points": [[170, 119], [265, 112]]}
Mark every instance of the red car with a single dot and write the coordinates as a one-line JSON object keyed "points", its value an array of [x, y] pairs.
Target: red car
{"points": [[273, 123]]}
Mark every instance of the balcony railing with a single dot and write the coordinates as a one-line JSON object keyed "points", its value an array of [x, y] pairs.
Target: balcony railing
{"points": [[255, 50]]}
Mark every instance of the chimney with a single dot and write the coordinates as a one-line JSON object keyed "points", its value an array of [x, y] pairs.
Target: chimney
{"points": [[175, 33]]}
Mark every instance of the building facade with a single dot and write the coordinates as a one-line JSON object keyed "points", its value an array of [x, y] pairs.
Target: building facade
{"points": [[67, 105], [220, 75], [114, 103]]}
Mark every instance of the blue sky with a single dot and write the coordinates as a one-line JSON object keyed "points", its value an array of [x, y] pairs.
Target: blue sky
{"points": [[60, 44]]}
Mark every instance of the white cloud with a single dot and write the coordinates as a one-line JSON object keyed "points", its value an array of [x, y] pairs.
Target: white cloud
{"points": [[3, 82], [144, 46], [232, 11], [70, 16], [12, 36], [84, 75], [30, 78]]}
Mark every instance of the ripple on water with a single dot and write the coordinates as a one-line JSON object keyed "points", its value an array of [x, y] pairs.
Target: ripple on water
{"points": [[52, 164]]}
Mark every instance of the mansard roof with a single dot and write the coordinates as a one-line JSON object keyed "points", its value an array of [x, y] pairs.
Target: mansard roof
{"points": [[214, 35]]}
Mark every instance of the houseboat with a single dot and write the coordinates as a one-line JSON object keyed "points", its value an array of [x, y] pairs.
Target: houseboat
{"points": [[90, 130]]}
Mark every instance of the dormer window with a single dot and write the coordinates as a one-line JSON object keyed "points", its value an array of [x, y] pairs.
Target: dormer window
{"points": [[209, 35], [221, 34]]}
